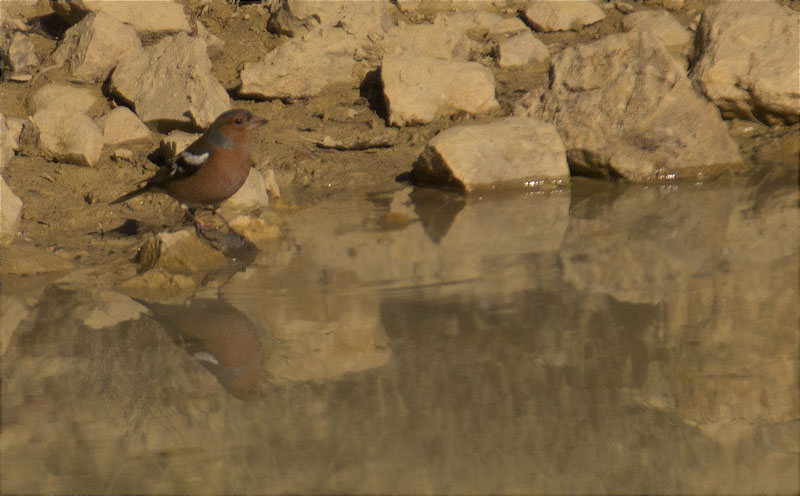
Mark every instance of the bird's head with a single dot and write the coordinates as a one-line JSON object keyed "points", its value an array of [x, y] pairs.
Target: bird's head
{"points": [[235, 125]]}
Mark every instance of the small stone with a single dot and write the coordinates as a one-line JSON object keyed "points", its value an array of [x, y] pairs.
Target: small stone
{"points": [[95, 45], [10, 130], [21, 57], [273, 190], [254, 229], [182, 252], [10, 213], [121, 125], [521, 49], [122, 154]]}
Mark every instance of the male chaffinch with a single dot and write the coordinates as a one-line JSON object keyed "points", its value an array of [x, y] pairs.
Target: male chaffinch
{"points": [[212, 168]]}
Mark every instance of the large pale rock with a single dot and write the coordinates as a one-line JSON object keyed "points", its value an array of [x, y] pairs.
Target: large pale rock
{"points": [[21, 57], [180, 252], [148, 17], [74, 99], [10, 213], [748, 60], [170, 84], [443, 40], [418, 89], [661, 24], [94, 46], [521, 49], [10, 129], [547, 15], [509, 150], [624, 107], [121, 125], [66, 136], [303, 67]]}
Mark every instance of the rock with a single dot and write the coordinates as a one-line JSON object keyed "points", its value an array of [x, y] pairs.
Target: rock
{"points": [[509, 150], [444, 40], [21, 57], [663, 25], [74, 99], [303, 67], [297, 17], [12, 313], [521, 49], [66, 136], [122, 154], [10, 213], [545, 15], [159, 286], [255, 230], [176, 142], [213, 43], [271, 183], [251, 196], [624, 6], [180, 252], [624, 107], [121, 125], [109, 308], [10, 129], [150, 18], [752, 76], [418, 89], [170, 84], [94, 46]]}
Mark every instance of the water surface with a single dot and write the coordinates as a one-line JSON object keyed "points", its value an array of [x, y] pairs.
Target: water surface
{"points": [[600, 338]]}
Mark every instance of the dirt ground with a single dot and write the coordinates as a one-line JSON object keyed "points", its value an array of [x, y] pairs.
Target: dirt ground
{"points": [[66, 208]]}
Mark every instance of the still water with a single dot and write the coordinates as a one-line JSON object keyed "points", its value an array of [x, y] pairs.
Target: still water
{"points": [[626, 339]]}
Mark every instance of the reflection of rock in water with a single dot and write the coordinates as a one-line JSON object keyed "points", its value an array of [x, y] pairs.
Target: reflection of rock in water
{"points": [[222, 339], [437, 210]]}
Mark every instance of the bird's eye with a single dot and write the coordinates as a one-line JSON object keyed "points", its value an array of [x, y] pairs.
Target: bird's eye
{"points": [[238, 120]]}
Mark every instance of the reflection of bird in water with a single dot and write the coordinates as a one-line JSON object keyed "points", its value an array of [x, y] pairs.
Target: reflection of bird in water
{"points": [[222, 339]]}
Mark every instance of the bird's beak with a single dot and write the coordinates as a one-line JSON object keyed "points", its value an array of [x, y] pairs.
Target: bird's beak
{"points": [[256, 121]]}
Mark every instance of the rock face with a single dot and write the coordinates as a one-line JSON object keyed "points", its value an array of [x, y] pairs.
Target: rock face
{"points": [[66, 136], [624, 107], [753, 74], [94, 46], [418, 89], [513, 149], [149, 18], [545, 15], [521, 49], [10, 213], [170, 80], [121, 125]]}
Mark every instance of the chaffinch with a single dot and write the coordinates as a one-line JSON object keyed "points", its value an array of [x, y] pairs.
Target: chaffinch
{"points": [[212, 168]]}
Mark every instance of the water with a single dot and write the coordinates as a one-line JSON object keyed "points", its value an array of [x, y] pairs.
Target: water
{"points": [[598, 339]]}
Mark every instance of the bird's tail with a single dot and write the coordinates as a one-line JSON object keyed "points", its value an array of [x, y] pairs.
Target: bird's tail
{"points": [[132, 194]]}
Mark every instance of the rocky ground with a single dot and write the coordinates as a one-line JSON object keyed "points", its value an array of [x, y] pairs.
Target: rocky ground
{"points": [[357, 96]]}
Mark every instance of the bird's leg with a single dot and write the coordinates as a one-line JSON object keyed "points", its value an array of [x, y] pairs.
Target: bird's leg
{"points": [[190, 215], [216, 212]]}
